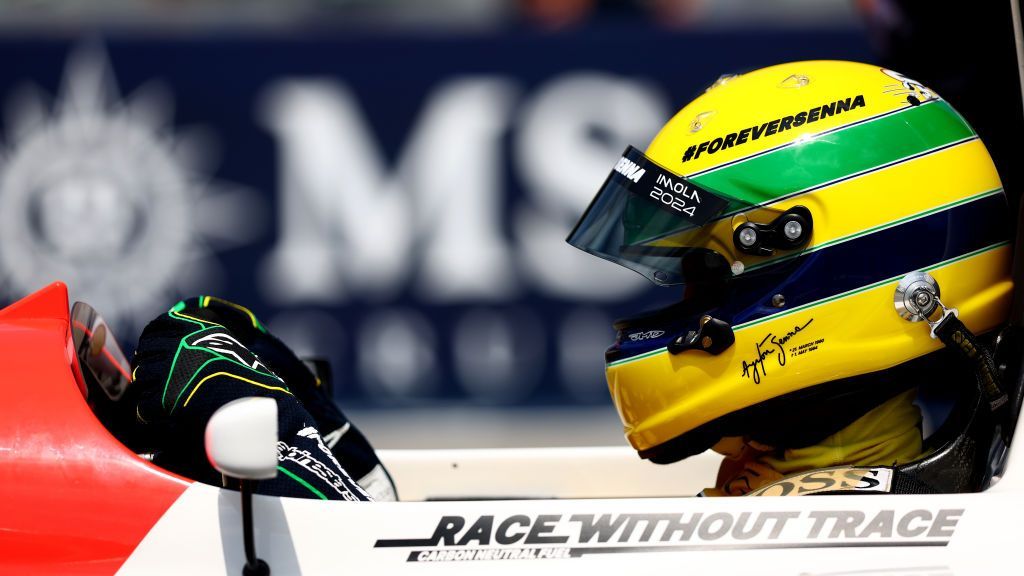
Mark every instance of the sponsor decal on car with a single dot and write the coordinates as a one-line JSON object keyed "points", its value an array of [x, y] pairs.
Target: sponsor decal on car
{"points": [[558, 536]]}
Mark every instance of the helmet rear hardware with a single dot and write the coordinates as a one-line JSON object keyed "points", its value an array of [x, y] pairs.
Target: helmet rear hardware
{"points": [[916, 297]]}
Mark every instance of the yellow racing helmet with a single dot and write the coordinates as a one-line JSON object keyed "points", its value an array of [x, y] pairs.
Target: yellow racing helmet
{"points": [[794, 205]]}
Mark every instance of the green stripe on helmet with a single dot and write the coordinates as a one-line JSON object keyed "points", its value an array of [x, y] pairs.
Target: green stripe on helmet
{"points": [[849, 150]]}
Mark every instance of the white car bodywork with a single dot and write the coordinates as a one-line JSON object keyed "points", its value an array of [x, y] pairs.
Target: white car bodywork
{"points": [[593, 510]]}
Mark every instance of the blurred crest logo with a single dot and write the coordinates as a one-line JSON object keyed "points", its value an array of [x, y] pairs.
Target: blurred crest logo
{"points": [[98, 191]]}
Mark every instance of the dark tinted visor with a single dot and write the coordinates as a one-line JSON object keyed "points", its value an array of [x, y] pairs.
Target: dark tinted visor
{"points": [[638, 215]]}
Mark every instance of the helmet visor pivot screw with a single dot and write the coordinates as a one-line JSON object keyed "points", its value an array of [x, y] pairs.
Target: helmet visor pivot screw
{"points": [[793, 229], [748, 237]]}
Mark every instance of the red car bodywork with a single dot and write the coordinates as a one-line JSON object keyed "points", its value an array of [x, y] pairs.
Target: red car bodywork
{"points": [[72, 498]]}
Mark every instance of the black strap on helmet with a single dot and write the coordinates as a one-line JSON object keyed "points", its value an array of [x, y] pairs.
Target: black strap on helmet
{"points": [[957, 337]]}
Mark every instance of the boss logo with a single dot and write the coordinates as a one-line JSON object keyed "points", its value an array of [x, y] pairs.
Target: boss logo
{"points": [[841, 479]]}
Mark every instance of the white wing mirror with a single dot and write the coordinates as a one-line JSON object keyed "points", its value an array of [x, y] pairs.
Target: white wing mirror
{"points": [[241, 439]]}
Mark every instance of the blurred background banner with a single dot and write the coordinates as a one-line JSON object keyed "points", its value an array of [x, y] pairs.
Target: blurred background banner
{"points": [[385, 190]]}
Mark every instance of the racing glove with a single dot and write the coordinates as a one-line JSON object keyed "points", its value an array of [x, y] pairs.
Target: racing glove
{"points": [[186, 366]]}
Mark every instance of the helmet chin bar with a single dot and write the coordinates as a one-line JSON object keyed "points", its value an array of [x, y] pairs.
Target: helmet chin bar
{"points": [[790, 230], [713, 336]]}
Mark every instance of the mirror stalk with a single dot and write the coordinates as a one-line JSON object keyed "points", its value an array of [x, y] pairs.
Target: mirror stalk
{"points": [[253, 565]]}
